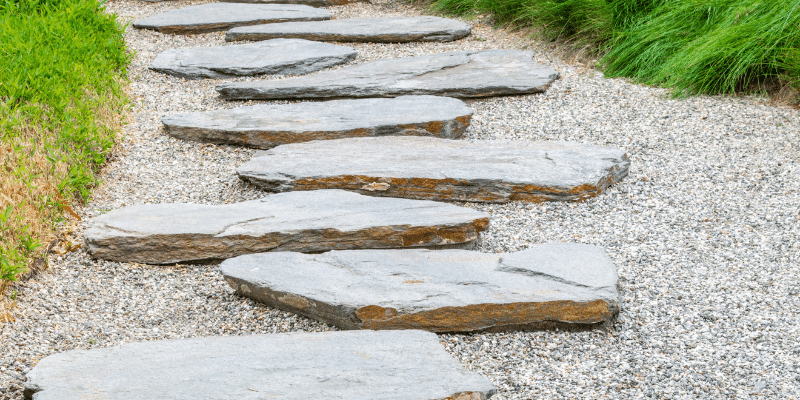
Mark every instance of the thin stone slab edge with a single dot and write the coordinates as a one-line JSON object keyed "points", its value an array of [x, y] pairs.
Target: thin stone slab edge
{"points": [[270, 57], [312, 3], [409, 365], [549, 285], [214, 17], [314, 221], [267, 126]]}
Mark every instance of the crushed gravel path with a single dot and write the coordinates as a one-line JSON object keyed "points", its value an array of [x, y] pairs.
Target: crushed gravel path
{"points": [[705, 232]]}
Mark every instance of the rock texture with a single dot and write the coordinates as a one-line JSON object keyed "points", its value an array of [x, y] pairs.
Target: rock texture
{"points": [[408, 365], [391, 30], [438, 169], [267, 126], [271, 57], [304, 221], [435, 290], [213, 17], [312, 3], [462, 74]]}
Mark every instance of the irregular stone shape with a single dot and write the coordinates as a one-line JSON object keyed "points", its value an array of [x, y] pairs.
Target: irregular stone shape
{"points": [[435, 290], [403, 365], [304, 221], [312, 3], [267, 126], [392, 30], [213, 17], [464, 74], [436, 169], [271, 57]]}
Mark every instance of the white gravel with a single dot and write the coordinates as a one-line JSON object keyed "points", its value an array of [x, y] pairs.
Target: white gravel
{"points": [[705, 232]]}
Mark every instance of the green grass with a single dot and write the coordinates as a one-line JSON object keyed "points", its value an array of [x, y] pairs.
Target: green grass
{"points": [[62, 69], [692, 46]]}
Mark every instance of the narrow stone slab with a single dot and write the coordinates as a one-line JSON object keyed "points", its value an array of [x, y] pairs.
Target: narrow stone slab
{"points": [[403, 365], [435, 290], [213, 17], [271, 57], [312, 3], [391, 30], [436, 169], [463, 74], [267, 126], [304, 221]]}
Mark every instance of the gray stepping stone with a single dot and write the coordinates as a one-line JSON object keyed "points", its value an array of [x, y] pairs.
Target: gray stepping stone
{"points": [[392, 30], [463, 74], [312, 3], [271, 57], [402, 365], [436, 169], [213, 17], [436, 290], [267, 126], [304, 221]]}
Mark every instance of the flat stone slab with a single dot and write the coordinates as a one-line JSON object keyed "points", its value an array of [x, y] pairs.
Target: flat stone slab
{"points": [[403, 365], [304, 221], [271, 57], [312, 3], [267, 126], [462, 74], [437, 169], [435, 290], [391, 30], [213, 17]]}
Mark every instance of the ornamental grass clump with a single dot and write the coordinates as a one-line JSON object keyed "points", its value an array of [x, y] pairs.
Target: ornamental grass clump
{"points": [[61, 103]]}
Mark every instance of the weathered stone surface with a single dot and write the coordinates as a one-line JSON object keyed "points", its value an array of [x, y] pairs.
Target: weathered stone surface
{"points": [[392, 30], [435, 290], [271, 57], [213, 17], [304, 221], [312, 3], [402, 365], [438, 169], [463, 74], [267, 126]]}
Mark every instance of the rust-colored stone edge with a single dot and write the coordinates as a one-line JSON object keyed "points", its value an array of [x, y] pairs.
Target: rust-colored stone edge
{"points": [[448, 129], [196, 248], [483, 316]]}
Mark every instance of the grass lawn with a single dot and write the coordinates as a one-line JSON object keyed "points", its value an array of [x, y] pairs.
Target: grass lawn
{"points": [[62, 72]]}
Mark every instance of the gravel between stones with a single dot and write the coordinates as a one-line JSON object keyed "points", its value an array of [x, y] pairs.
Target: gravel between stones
{"points": [[705, 232]]}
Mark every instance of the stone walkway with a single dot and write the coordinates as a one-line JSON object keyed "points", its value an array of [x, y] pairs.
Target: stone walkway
{"points": [[436, 290]]}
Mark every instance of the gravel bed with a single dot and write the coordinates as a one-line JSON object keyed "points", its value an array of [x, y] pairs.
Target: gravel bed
{"points": [[705, 232]]}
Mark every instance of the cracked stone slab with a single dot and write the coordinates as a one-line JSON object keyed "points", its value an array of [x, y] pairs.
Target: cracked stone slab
{"points": [[389, 30], [435, 290], [271, 57], [459, 74], [400, 365], [213, 17], [312, 3], [302, 221], [267, 126], [494, 171]]}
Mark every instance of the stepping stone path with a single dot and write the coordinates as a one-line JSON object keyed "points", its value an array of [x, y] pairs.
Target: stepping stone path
{"points": [[463, 74], [271, 57], [312, 3], [304, 221], [296, 366], [438, 169], [267, 126], [392, 30], [439, 291], [213, 17]]}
